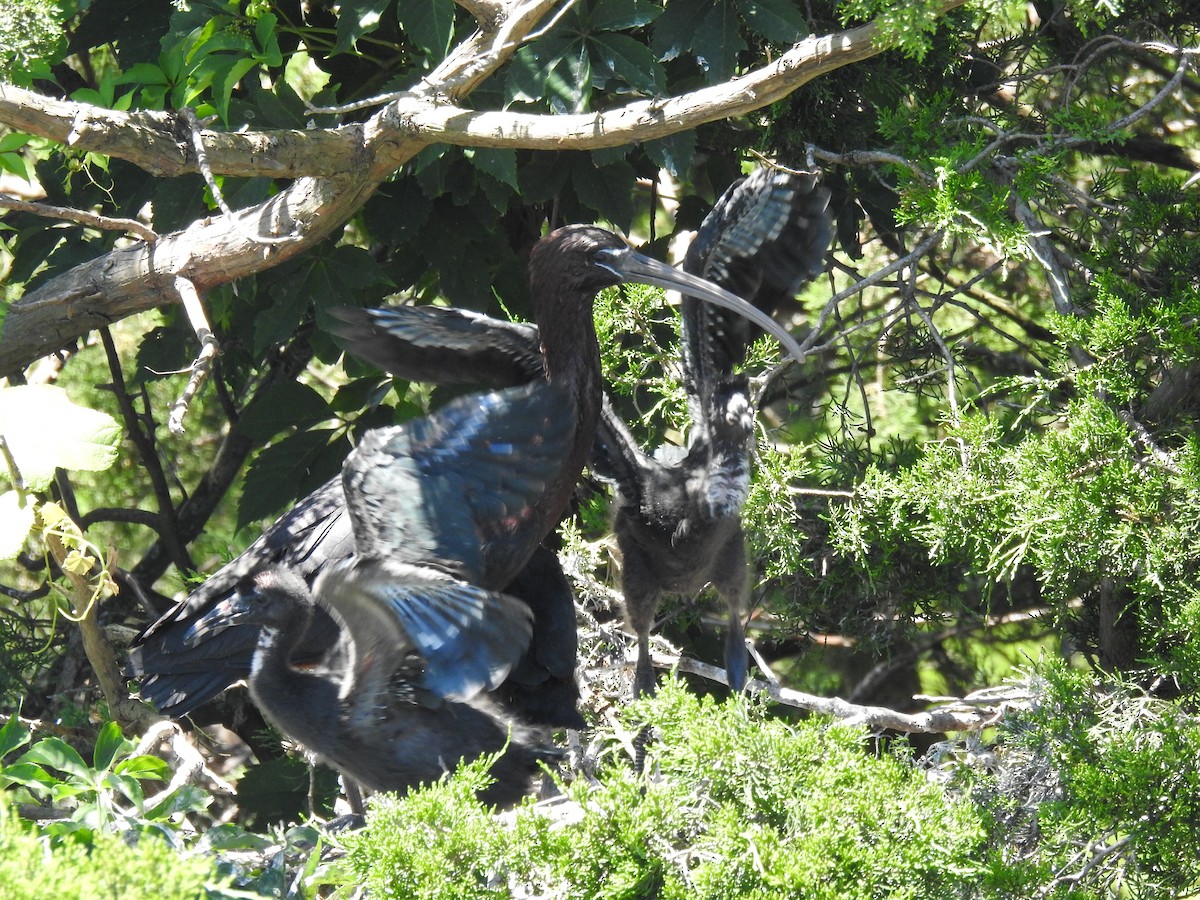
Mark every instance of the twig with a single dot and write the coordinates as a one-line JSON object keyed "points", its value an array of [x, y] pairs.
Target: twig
{"points": [[14, 471], [167, 525], [209, 348], [99, 651], [1157, 453], [80, 217], [188, 115], [962, 715]]}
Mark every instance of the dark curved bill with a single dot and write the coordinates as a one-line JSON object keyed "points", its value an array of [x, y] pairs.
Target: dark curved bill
{"points": [[629, 265]]}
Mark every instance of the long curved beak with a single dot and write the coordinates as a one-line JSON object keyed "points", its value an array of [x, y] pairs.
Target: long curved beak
{"points": [[629, 265]]}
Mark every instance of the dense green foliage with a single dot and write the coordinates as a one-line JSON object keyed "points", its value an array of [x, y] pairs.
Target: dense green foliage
{"points": [[739, 805], [988, 454]]}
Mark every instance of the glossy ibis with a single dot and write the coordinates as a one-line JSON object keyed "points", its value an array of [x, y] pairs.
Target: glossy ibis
{"points": [[425, 642], [566, 269]]}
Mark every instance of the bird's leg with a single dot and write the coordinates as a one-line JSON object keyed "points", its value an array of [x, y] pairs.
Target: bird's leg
{"points": [[734, 585], [640, 608], [354, 797]]}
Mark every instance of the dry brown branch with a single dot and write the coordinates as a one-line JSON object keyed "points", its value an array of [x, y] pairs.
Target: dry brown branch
{"points": [[972, 713], [209, 348], [79, 216]]}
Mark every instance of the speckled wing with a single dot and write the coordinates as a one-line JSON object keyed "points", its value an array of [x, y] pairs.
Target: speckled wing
{"points": [[451, 489], [441, 345], [463, 639], [764, 239]]}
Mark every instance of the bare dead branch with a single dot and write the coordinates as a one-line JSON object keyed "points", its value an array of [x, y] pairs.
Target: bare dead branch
{"points": [[209, 348], [79, 216], [972, 713]]}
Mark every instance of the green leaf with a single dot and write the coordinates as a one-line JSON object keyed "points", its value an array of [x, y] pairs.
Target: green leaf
{"points": [[273, 476], [149, 768], [109, 743], [127, 786], [500, 164], [617, 15], [28, 775], [776, 20], [228, 81], [286, 404], [628, 61], [608, 190], [675, 30], [57, 754], [673, 152], [143, 73], [15, 522], [14, 140], [356, 18], [429, 25], [267, 37], [12, 735], [45, 431], [17, 165], [717, 43]]}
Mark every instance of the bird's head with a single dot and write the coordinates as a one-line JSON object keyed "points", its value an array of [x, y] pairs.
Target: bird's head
{"points": [[268, 598], [570, 265]]}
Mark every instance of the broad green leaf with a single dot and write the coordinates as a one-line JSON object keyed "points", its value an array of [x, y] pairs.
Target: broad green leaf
{"points": [[46, 431], [304, 76], [617, 15], [14, 140], [228, 72], [286, 404], [673, 152], [143, 73], [629, 61], [675, 30], [356, 18], [127, 786], [187, 798], [12, 735], [144, 767], [15, 522], [717, 43], [272, 478], [607, 190], [267, 37], [500, 164], [569, 83], [776, 20], [16, 164], [29, 775], [109, 743], [64, 790], [57, 754], [429, 25]]}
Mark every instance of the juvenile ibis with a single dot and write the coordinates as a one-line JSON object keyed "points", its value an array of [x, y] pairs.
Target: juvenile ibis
{"points": [[566, 269], [678, 511]]}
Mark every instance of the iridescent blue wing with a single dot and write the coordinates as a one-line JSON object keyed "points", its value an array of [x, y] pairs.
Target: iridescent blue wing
{"points": [[449, 488], [441, 345], [461, 639]]}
